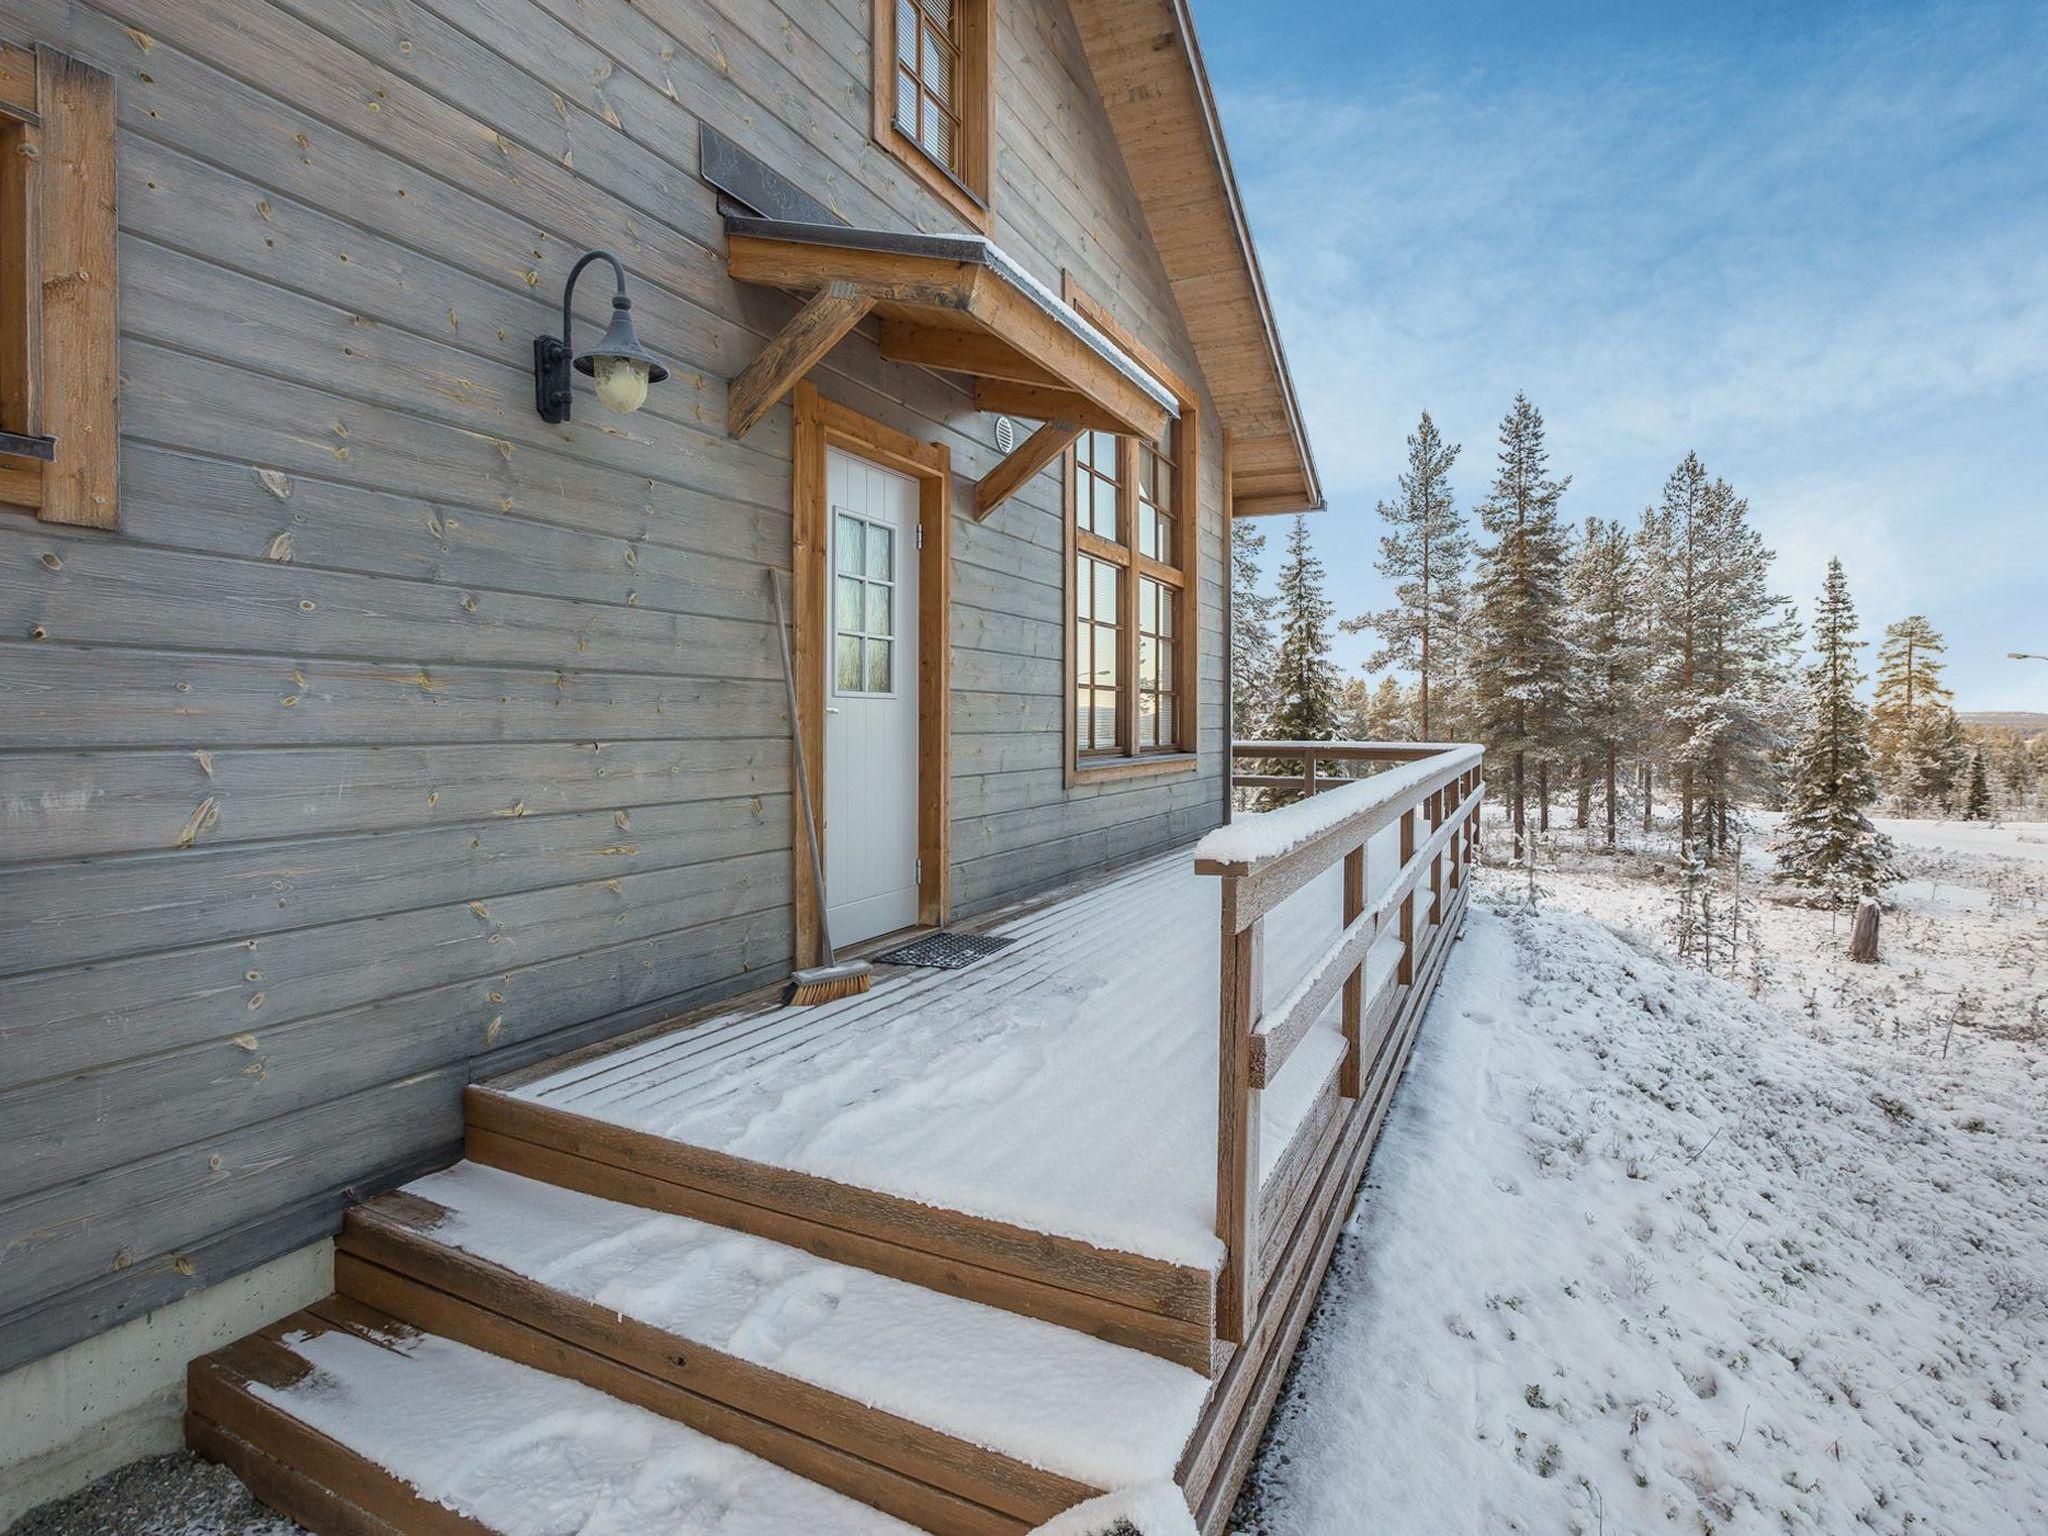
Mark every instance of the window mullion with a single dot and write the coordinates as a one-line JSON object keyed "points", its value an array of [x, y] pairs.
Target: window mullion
{"points": [[1127, 593]]}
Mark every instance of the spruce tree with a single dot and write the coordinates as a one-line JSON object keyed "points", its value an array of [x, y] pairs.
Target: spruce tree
{"points": [[1424, 552], [1520, 656], [1826, 840], [1977, 801], [1305, 681], [1744, 636], [1606, 655], [1909, 667], [1253, 658]]}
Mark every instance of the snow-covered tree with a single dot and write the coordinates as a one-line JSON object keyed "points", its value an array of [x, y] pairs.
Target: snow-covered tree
{"points": [[1745, 638], [1391, 716], [1424, 551], [1305, 681], [1606, 656], [1909, 667], [1977, 798], [1826, 840], [1520, 657], [1717, 646], [1253, 656]]}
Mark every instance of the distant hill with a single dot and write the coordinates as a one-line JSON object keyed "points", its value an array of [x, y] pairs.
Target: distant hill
{"points": [[2028, 722]]}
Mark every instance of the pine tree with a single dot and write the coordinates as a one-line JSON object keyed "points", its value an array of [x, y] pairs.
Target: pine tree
{"points": [[1305, 681], [1390, 717], [1744, 638], [2018, 778], [1424, 553], [1253, 658], [1909, 668], [1606, 655], [1520, 657], [1977, 801], [1826, 840], [1718, 639], [1354, 709]]}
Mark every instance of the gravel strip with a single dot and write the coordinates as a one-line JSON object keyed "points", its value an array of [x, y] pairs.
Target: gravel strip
{"points": [[174, 1495]]}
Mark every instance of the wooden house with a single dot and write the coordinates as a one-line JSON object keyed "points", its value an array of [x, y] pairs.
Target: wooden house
{"points": [[395, 741]]}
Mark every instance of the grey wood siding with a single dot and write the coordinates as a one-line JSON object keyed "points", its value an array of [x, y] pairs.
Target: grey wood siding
{"points": [[396, 737]]}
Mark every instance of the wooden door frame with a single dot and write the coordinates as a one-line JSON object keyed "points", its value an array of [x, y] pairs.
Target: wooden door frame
{"points": [[821, 424]]}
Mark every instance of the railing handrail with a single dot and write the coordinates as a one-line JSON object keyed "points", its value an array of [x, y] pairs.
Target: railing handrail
{"points": [[1342, 751], [1263, 858]]}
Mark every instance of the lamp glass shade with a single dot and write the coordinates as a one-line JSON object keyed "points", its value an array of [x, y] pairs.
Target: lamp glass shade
{"points": [[621, 368], [621, 382]]}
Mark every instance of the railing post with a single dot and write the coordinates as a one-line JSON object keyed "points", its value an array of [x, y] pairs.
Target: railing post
{"points": [[1354, 984], [1237, 1121], [1436, 860], [1406, 974], [1308, 773]]}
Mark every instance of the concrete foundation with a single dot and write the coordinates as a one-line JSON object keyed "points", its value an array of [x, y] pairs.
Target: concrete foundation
{"points": [[78, 1414]]}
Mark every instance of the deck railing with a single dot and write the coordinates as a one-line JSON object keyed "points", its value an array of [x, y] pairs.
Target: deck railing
{"points": [[1433, 793]]}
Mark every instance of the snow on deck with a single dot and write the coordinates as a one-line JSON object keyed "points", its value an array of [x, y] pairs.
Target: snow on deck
{"points": [[529, 1454], [1039, 1393], [1638, 1253], [1067, 1084]]}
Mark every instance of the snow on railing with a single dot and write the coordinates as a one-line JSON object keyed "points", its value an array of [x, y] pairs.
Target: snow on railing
{"points": [[1263, 858]]}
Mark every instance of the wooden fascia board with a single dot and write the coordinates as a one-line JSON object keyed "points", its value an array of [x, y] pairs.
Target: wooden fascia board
{"points": [[1273, 506], [1157, 37], [884, 276], [1008, 314], [911, 281]]}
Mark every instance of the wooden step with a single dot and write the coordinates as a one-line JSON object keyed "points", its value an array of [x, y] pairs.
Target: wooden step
{"points": [[1131, 1299], [963, 1418], [356, 1424]]}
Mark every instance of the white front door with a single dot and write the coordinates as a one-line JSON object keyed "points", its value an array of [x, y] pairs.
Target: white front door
{"points": [[871, 698]]}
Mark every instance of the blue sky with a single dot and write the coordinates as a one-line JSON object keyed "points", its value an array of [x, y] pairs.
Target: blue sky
{"points": [[1808, 241]]}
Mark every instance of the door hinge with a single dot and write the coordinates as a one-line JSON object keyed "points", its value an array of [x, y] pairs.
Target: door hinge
{"points": [[920, 535], [920, 872]]}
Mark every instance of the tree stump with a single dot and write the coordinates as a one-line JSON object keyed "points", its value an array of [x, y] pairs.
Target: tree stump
{"points": [[1863, 936]]}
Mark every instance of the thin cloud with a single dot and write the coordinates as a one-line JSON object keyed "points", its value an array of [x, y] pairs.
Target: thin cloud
{"points": [[1824, 265]]}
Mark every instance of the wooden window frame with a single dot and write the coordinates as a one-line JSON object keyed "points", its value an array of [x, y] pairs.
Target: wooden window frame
{"points": [[820, 424], [968, 191], [1129, 760], [59, 299]]}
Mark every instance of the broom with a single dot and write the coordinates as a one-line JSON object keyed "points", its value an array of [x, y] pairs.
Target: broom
{"points": [[831, 977]]}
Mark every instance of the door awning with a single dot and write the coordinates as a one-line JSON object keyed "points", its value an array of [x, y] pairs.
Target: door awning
{"points": [[951, 302]]}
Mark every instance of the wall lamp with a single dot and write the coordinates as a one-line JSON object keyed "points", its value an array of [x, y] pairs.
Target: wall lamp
{"points": [[621, 367]]}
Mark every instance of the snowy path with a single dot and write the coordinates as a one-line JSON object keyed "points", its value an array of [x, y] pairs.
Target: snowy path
{"points": [[1638, 1254]]}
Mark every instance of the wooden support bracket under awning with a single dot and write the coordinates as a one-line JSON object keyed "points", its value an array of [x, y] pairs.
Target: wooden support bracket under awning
{"points": [[952, 302]]}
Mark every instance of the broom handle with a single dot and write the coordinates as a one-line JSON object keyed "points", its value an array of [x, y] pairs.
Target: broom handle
{"points": [[803, 765]]}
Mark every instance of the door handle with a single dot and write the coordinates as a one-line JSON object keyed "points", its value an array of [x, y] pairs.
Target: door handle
{"points": [[831, 709]]}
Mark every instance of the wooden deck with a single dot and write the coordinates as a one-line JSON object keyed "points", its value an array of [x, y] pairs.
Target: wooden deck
{"points": [[1055, 1132]]}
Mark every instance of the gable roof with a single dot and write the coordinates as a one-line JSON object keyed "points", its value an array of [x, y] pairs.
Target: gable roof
{"points": [[1149, 74]]}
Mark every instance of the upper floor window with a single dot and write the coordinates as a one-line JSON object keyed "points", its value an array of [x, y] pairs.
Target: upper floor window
{"points": [[934, 98], [59, 308]]}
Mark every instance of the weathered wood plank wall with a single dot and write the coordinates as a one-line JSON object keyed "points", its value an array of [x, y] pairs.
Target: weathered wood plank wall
{"points": [[396, 737]]}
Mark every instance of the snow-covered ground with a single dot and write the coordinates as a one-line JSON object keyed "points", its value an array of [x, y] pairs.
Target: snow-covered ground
{"points": [[1643, 1252]]}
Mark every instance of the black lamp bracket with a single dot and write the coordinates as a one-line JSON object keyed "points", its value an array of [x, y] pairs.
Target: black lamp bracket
{"points": [[551, 355]]}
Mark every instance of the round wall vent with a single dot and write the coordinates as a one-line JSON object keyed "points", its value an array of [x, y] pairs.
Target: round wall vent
{"points": [[1006, 433]]}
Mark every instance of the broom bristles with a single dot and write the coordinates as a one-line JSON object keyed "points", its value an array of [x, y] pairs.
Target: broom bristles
{"points": [[803, 994]]}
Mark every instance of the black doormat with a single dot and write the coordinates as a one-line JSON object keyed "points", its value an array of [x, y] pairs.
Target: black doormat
{"points": [[944, 951]]}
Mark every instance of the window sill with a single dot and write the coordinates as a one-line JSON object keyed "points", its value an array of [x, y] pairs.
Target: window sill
{"points": [[1152, 765], [954, 193]]}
